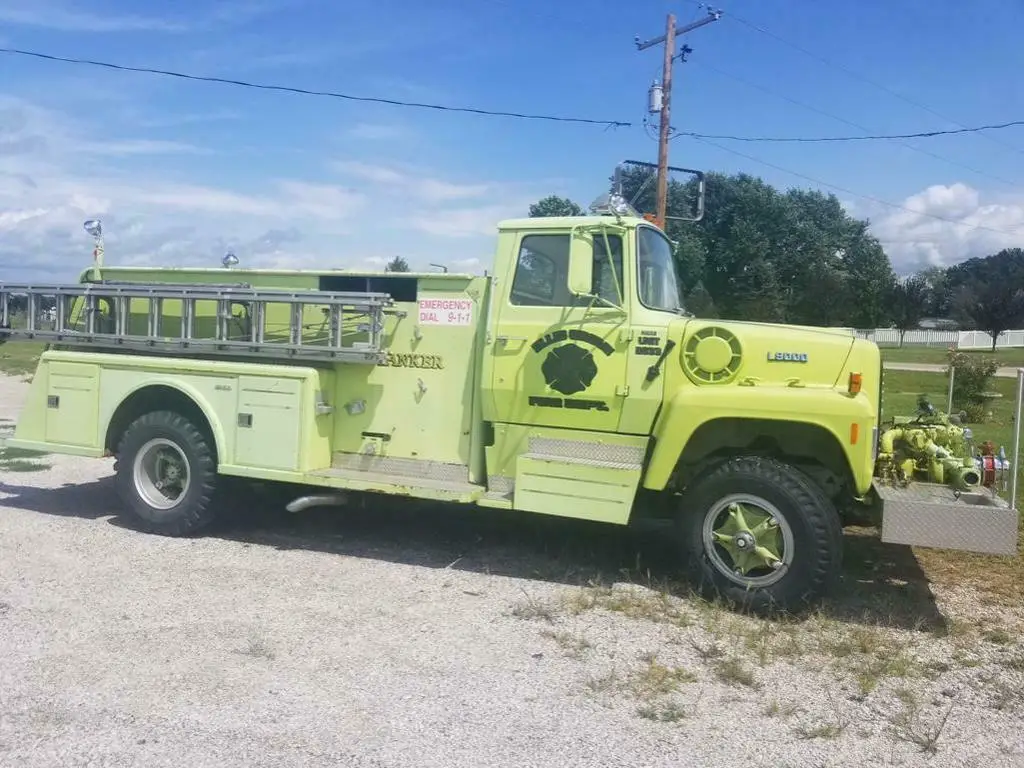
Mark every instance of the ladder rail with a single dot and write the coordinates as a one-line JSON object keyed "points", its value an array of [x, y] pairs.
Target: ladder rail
{"points": [[341, 315], [198, 291]]}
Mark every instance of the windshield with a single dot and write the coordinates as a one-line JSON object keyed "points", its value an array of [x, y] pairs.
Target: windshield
{"points": [[656, 271]]}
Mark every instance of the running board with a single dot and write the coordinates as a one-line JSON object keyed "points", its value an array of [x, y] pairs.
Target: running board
{"points": [[401, 485]]}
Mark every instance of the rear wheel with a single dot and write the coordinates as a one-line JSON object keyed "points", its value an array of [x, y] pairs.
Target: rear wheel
{"points": [[761, 534], [166, 474]]}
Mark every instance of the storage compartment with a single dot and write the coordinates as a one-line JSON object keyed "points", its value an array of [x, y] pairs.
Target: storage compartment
{"points": [[72, 402], [268, 427]]}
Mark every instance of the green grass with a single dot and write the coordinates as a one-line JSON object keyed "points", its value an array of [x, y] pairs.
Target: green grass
{"points": [[938, 355], [1000, 577], [19, 460], [18, 358]]}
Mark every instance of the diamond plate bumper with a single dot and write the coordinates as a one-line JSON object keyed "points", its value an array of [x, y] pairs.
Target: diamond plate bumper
{"points": [[931, 515]]}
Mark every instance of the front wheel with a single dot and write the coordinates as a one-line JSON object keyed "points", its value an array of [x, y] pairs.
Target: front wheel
{"points": [[166, 474], [759, 533]]}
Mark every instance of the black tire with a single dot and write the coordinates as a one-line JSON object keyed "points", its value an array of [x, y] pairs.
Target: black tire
{"points": [[803, 513], [192, 508]]}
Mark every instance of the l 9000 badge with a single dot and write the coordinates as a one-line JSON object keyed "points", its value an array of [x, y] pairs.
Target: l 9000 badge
{"points": [[787, 357]]}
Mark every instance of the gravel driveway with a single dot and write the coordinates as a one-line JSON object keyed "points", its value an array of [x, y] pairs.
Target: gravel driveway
{"points": [[387, 635]]}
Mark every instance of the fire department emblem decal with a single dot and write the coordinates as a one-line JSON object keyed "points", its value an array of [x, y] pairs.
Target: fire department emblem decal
{"points": [[570, 368]]}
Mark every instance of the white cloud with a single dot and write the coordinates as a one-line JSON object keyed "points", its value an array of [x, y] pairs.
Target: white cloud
{"points": [[465, 222], [52, 16], [55, 172], [915, 239], [184, 118], [139, 147], [61, 16], [10, 219], [407, 182]]}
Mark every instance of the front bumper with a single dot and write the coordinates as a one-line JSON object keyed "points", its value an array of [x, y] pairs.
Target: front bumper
{"points": [[933, 515]]}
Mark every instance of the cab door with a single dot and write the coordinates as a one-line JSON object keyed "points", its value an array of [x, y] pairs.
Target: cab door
{"points": [[559, 360]]}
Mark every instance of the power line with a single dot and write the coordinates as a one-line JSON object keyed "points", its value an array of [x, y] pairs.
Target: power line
{"points": [[858, 126], [863, 78], [310, 92], [870, 137], [526, 116], [856, 194]]}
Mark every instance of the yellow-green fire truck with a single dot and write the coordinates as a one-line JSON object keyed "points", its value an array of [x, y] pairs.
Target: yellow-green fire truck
{"points": [[569, 381]]}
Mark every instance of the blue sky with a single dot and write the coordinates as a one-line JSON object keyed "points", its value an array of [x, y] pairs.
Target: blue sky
{"points": [[180, 171]]}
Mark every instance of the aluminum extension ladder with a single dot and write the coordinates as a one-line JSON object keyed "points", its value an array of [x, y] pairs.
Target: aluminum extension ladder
{"points": [[272, 322]]}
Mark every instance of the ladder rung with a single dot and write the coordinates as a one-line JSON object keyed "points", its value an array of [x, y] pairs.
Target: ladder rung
{"points": [[100, 315]]}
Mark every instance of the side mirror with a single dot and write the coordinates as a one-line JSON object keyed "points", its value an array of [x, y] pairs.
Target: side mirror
{"points": [[581, 265]]}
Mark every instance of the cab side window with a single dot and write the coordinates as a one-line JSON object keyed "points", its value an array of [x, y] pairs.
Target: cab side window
{"points": [[543, 266], [541, 271]]}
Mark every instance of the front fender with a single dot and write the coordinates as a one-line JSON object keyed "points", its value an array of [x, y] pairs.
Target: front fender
{"points": [[848, 420]]}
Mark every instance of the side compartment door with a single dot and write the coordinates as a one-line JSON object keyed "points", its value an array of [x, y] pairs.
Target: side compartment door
{"points": [[559, 360]]}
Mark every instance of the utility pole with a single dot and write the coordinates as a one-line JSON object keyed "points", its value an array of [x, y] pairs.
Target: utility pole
{"points": [[669, 38]]}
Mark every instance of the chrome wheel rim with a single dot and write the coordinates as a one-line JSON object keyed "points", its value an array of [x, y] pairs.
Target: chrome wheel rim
{"points": [[161, 473]]}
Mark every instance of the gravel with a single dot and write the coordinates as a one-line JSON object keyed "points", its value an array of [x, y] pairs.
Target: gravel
{"points": [[404, 635]]}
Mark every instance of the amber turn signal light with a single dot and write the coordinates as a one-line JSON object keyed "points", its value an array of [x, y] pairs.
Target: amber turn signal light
{"points": [[855, 383]]}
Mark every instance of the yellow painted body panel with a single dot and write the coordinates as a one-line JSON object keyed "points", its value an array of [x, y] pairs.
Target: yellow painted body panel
{"points": [[523, 376], [417, 405], [72, 388], [571, 489], [785, 374], [217, 387], [268, 431], [822, 407], [472, 403]]}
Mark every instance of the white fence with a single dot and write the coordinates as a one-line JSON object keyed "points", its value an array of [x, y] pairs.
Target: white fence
{"points": [[932, 338]]}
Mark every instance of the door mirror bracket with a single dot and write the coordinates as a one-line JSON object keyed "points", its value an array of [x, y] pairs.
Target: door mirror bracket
{"points": [[580, 277]]}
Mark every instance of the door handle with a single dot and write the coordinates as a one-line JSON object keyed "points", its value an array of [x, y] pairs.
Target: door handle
{"points": [[506, 339]]}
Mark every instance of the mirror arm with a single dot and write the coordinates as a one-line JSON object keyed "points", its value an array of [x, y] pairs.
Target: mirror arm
{"points": [[611, 264]]}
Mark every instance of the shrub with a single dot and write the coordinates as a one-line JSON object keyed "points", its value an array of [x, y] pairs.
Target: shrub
{"points": [[971, 381]]}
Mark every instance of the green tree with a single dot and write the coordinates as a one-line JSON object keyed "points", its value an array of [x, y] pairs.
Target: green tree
{"points": [[397, 264], [988, 293], [553, 205], [908, 303], [762, 254], [939, 299], [991, 306]]}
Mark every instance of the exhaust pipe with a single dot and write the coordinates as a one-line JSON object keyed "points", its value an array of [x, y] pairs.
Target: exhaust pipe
{"points": [[317, 500]]}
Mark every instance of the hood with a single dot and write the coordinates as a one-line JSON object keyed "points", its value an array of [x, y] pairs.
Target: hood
{"points": [[728, 352]]}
